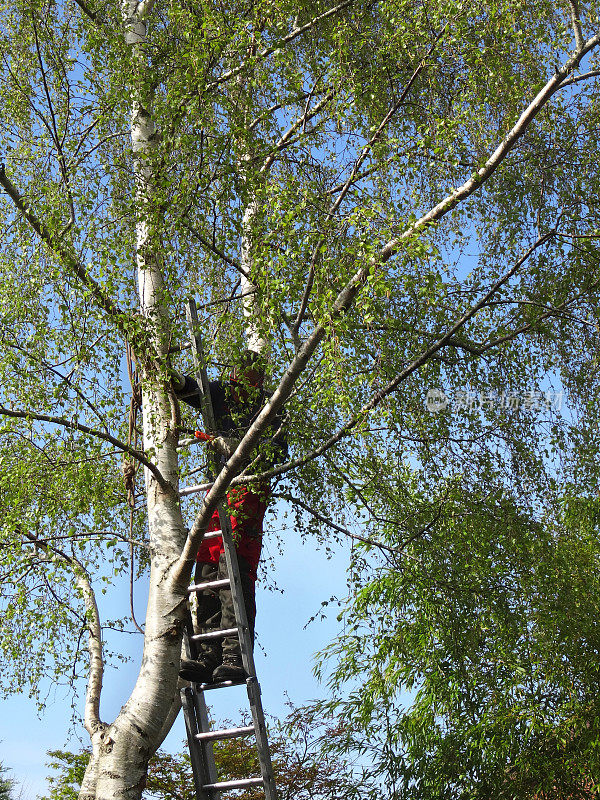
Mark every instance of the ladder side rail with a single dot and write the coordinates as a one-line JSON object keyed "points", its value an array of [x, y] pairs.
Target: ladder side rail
{"points": [[252, 685], [245, 640], [201, 771], [195, 715], [237, 596], [206, 747], [262, 741]]}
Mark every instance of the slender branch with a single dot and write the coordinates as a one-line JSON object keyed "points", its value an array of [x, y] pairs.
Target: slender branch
{"points": [[358, 492], [330, 523], [267, 51], [65, 378], [576, 22], [92, 534], [355, 171], [212, 247], [491, 165], [54, 132], [88, 11], [286, 138], [364, 174], [551, 312], [594, 73], [275, 107], [70, 260], [78, 426]]}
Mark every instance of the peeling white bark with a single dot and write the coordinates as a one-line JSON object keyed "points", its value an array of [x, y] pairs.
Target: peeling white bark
{"points": [[92, 722], [121, 752], [254, 340]]}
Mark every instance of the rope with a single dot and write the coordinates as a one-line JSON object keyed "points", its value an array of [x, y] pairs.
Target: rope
{"points": [[130, 467]]}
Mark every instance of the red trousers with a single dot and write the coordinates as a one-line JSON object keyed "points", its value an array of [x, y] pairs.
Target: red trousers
{"points": [[247, 512]]}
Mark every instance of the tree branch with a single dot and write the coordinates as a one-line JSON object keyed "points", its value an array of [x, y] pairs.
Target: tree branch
{"points": [[576, 22], [377, 398], [88, 11], [594, 73], [286, 138], [355, 171], [344, 301], [267, 51], [92, 720], [70, 261], [212, 247], [491, 165], [78, 426], [295, 501]]}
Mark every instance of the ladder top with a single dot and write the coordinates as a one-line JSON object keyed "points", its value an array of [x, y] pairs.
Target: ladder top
{"points": [[222, 634]]}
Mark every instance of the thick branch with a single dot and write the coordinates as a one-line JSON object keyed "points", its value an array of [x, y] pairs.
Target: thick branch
{"points": [[594, 73], [344, 301], [92, 720], [441, 342]]}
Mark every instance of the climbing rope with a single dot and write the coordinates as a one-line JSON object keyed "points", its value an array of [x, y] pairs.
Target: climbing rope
{"points": [[130, 467]]}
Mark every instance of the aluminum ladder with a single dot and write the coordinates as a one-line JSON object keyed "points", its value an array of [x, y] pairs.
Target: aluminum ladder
{"points": [[199, 735]]}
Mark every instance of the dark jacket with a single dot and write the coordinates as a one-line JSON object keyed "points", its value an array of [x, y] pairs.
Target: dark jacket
{"points": [[234, 417]]}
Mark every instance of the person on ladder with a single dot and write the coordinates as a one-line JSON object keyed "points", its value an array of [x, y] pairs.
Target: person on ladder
{"points": [[235, 405]]}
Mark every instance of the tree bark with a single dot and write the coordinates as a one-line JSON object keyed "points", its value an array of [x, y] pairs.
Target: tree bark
{"points": [[120, 767]]}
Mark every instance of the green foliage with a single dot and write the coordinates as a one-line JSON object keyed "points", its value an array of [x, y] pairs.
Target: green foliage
{"points": [[303, 771], [317, 139], [6, 785], [68, 771], [490, 621]]}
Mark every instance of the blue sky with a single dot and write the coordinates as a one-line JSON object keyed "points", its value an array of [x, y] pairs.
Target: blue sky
{"points": [[284, 659]]}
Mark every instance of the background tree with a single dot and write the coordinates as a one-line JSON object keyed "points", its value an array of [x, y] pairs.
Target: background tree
{"points": [[7, 785], [301, 768], [492, 621], [385, 197]]}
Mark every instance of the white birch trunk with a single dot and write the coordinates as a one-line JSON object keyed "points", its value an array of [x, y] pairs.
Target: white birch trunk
{"points": [[249, 291], [254, 340], [120, 768]]}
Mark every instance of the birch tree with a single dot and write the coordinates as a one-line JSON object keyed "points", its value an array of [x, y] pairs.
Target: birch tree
{"points": [[384, 197]]}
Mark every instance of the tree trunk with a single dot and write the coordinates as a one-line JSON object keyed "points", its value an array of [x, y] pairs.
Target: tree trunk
{"points": [[120, 768]]}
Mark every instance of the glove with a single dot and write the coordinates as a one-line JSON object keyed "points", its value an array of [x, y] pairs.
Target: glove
{"points": [[178, 380]]}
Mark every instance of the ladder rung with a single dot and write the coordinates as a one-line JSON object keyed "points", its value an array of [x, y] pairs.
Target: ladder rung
{"points": [[211, 535], [224, 785], [200, 587], [192, 489], [225, 733], [224, 632], [206, 687]]}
